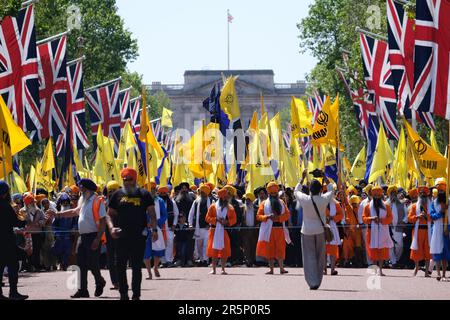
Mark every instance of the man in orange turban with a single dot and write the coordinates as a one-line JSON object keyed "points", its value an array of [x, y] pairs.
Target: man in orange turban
{"points": [[272, 213], [378, 215], [220, 215], [419, 215]]}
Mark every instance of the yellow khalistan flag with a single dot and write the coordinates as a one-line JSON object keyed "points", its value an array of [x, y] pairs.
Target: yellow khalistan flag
{"points": [[433, 141], [200, 159], [400, 167], [359, 165], [382, 157], [126, 142], [181, 172], [301, 119], [264, 138], [326, 125], [432, 164], [166, 118], [48, 160], [106, 153], [146, 134], [19, 184], [257, 173], [229, 99], [13, 138]]}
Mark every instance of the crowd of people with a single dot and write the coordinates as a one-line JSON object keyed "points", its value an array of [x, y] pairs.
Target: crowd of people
{"points": [[315, 225]]}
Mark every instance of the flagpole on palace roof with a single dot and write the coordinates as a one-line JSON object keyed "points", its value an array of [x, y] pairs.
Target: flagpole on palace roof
{"points": [[229, 19]]}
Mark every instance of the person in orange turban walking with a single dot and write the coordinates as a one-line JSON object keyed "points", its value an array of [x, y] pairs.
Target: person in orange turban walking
{"points": [[378, 216], [272, 213], [220, 215], [419, 215]]}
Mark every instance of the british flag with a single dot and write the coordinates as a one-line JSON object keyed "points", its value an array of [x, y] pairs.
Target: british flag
{"points": [[432, 57], [19, 79], [379, 81], [104, 109], [53, 87], [135, 111], [76, 112], [401, 56], [124, 101]]}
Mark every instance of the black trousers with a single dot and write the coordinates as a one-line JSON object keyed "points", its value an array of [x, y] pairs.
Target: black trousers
{"points": [[129, 249], [88, 259], [13, 274], [111, 257], [37, 240]]}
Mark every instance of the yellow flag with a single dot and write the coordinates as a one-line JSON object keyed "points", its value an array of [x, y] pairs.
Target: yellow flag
{"points": [[264, 136], [7, 159], [199, 161], [43, 178], [126, 142], [400, 167], [131, 160], [12, 135], [78, 163], [229, 99], [327, 124], [105, 148], [19, 184], [301, 119], [48, 160], [166, 119], [358, 169], [232, 175], [382, 157], [433, 141], [432, 164], [146, 134]]}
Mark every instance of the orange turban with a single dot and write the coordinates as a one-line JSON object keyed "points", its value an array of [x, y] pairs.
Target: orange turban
{"points": [[272, 188], [28, 199], [129, 173], [75, 189], [424, 189], [223, 194], [163, 190], [210, 185], [194, 188], [205, 189], [352, 189], [413, 193], [441, 184], [377, 192], [231, 190]]}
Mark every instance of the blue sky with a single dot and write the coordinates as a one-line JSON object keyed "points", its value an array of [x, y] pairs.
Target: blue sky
{"points": [[179, 35]]}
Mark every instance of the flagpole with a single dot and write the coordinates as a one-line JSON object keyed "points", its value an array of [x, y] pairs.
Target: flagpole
{"points": [[228, 27], [3, 160]]}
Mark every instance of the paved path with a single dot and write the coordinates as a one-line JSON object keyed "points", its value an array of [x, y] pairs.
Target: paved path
{"points": [[252, 284]]}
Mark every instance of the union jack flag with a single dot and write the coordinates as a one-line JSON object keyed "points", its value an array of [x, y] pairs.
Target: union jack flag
{"points": [[76, 112], [432, 57], [104, 109], [401, 56], [124, 101], [53, 87], [19, 79], [379, 81], [135, 112]]}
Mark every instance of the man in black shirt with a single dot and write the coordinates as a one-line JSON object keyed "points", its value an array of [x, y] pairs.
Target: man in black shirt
{"points": [[8, 247], [128, 208]]}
